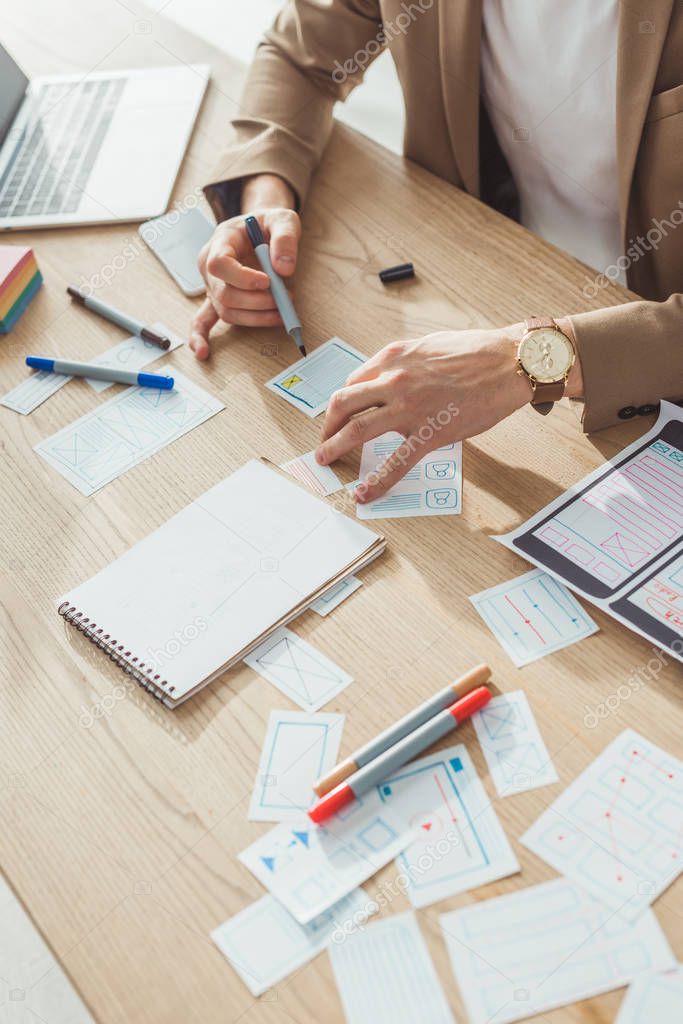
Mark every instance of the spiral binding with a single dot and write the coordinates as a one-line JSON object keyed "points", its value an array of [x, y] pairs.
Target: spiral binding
{"points": [[131, 665]]}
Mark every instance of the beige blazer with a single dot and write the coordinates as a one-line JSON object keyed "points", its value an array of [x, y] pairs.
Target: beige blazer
{"points": [[317, 50]]}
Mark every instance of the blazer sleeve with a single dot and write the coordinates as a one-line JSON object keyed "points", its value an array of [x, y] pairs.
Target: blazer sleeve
{"points": [[314, 54], [631, 355]]}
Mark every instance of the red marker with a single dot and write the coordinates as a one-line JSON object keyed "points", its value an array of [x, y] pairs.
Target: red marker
{"points": [[410, 746]]}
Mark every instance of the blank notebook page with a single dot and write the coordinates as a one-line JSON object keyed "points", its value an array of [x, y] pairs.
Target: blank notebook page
{"points": [[220, 573]]}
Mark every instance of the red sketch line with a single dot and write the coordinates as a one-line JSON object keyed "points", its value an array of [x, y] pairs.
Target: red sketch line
{"points": [[444, 797], [665, 499], [609, 813], [526, 621], [664, 471]]}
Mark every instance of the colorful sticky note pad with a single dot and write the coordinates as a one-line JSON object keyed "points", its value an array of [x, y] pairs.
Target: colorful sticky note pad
{"points": [[20, 279]]}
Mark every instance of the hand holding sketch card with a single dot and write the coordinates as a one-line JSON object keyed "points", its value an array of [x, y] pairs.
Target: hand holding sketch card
{"points": [[432, 487], [616, 537], [617, 829]]}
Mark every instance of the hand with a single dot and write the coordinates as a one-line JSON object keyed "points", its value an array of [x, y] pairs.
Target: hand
{"points": [[236, 291], [434, 390]]}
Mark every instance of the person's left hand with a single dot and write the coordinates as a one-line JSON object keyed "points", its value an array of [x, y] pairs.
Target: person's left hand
{"points": [[435, 390]]}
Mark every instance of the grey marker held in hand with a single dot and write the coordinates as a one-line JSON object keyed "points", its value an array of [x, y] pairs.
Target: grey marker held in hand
{"points": [[277, 285]]}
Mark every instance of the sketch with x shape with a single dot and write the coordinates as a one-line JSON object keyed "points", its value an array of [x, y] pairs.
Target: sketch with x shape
{"points": [[517, 757], [303, 674]]}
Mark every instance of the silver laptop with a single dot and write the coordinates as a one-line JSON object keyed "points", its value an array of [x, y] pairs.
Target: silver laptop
{"points": [[93, 149]]}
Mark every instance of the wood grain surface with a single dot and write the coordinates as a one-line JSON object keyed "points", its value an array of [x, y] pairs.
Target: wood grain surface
{"points": [[120, 833]]}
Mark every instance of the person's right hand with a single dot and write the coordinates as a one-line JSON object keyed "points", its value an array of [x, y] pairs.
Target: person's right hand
{"points": [[236, 291]]}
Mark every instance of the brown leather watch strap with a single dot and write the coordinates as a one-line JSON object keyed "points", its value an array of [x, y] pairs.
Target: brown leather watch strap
{"points": [[545, 395]]}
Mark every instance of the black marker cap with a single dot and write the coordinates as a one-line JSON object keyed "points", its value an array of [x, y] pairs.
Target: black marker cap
{"points": [[398, 273]]}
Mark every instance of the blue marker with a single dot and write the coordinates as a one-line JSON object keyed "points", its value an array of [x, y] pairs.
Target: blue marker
{"points": [[94, 372]]}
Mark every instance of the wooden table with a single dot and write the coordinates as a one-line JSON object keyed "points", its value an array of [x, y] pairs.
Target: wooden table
{"points": [[120, 835]]}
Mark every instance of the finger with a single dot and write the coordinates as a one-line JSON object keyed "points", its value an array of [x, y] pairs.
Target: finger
{"points": [[369, 370], [349, 401], [205, 318], [385, 359], [391, 471], [251, 317], [354, 433], [229, 297], [225, 266], [284, 228]]}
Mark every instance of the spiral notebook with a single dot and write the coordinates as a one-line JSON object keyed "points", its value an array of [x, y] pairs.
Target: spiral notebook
{"points": [[197, 595]]}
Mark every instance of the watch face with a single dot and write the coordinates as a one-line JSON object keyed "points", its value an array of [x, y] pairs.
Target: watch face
{"points": [[546, 354]]}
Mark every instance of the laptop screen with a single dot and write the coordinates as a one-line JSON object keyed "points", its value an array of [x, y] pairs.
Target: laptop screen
{"points": [[13, 84]]}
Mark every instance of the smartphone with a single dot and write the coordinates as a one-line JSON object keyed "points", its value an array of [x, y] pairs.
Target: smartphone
{"points": [[176, 239], [618, 526]]}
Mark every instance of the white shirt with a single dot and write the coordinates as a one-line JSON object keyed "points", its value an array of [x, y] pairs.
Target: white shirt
{"points": [[549, 85]]}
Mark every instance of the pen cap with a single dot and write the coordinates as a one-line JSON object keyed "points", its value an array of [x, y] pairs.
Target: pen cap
{"points": [[40, 362], [470, 680], [153, 380], [254, 231]]}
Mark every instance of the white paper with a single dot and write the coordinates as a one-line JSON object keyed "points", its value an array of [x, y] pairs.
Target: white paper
{"points": [[126, 430], [532, 616], [334, 597], [246, 551], [33, 391], [321, 479], [310, 382], [549, 945], [298, 670], [654, 999], [264, 943], [517, 757], [385, 975], [310, 867], [133, 354], [433, 487], [297, 750], [617, 829], [616, 537], [130, 354], [459, 843]]}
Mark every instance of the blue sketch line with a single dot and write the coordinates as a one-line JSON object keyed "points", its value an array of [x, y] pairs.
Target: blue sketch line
{"points": [[323, 747], [576, 614], [397, 501], [495, 613], [291, 394], [535, 604]]}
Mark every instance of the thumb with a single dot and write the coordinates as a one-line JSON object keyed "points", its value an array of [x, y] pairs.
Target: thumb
{"points": [[284, 228]]}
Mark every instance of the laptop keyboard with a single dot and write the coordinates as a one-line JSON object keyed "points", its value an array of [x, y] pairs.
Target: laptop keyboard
{"points": [[57, 145]]}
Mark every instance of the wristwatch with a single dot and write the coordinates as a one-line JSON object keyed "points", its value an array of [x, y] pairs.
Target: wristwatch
{"points": [[545, 355]]}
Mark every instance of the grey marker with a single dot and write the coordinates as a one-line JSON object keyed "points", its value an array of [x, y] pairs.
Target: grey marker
{"points": [[277, 285], [115, 316]]}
